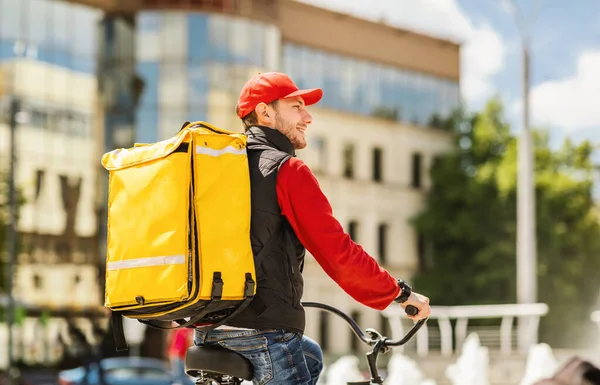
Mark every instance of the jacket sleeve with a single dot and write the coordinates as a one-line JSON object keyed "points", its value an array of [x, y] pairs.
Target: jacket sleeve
{"points": [[308, 211]]}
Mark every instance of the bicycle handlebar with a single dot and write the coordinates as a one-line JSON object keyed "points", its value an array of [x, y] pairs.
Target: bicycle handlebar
{"points": [[374, 336], [411, 310], [380, 343]]}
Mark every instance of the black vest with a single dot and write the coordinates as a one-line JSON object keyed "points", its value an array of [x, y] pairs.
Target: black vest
{"points": [[278, 254]]}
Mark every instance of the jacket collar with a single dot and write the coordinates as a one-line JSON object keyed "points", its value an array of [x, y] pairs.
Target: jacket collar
{"points": [[269, 136]]}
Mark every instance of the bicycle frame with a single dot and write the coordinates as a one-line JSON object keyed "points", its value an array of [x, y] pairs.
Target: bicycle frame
{"points": [[371, 337]]}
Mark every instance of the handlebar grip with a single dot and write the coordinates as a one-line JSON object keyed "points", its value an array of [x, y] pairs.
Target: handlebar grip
{"points": [[411, 310]]}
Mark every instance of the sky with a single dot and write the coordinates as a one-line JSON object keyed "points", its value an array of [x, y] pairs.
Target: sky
{"points": [[565, 53]]}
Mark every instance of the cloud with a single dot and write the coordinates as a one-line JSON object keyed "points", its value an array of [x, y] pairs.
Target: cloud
{"points": [[483, 51], [482, 58], [572, 102]]}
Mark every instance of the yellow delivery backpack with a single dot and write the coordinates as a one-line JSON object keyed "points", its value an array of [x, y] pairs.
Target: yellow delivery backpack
{"points": [[178, 245]]}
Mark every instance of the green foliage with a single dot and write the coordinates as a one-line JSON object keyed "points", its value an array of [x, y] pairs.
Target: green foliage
{"points": [[4, 216], [469, 222], [387, 113], [4, 220]]}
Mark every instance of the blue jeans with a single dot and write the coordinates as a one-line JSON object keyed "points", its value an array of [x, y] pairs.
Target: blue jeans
{"points": [[278, 357]]}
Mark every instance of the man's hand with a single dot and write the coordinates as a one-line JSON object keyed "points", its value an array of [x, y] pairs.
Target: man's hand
{"points": [[420, 302]]}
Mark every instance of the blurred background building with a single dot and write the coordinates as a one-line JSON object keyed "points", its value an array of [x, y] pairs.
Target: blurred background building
{"points": [[95, 75]]}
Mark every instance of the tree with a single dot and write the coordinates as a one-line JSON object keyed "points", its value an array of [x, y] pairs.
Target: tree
{"points": [[4, 220], [4, 216], [469, 224]]}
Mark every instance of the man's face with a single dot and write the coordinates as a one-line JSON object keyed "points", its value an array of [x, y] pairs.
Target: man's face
{"points": [[292, 119]]}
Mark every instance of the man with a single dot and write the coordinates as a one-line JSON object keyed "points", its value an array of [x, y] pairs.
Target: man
{"points": [[289, 213], [178, 341]]}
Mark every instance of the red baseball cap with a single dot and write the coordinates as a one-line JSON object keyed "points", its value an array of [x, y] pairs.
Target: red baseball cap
{"points": [[270, 86]]}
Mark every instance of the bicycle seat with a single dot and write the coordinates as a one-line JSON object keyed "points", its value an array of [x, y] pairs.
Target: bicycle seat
{"points": [[216, 359]]}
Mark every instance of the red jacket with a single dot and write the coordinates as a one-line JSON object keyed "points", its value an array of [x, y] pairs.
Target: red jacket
{"points": [[180, 341], [307, 209]]}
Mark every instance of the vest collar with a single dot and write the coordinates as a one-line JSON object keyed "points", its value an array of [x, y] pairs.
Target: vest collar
{"points": [[269, 136]]}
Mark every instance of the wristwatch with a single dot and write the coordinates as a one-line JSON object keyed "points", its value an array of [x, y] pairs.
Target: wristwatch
{"points": [[406, 290]]}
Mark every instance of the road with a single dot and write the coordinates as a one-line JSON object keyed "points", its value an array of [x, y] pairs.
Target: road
{"points": [[35, 378]]}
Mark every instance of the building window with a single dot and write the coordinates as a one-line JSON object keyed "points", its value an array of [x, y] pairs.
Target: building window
{"points": [[37, 281], [348, 171], [359, 86], [377, 164], [354, 341], [424, 253], [384, 326], [319, 148], [39, 181], [382, 231], [416, 170], [324, 330], [353, 230]]}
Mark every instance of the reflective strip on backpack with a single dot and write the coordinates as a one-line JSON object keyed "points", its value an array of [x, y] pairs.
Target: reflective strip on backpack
{"points": [[146, 262], [200, 150]]}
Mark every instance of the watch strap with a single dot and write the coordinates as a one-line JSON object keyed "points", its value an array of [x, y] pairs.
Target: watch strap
{"points": [[405, 292]]}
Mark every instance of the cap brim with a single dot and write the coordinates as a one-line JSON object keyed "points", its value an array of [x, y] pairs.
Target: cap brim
{"points": [[311, 96]]}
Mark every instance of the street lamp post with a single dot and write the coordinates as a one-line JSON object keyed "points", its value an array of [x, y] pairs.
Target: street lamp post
{"points": [[526, 221], [526, 213]]}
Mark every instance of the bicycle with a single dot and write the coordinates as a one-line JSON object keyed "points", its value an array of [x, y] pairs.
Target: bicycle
{"points": [[214, 365]]}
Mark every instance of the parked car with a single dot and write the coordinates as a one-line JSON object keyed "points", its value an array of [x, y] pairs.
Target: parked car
{"points": [[122, 371]]}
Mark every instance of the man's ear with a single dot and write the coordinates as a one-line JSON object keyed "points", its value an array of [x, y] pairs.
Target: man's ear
{"points": [[262, 112], [259, 108]]}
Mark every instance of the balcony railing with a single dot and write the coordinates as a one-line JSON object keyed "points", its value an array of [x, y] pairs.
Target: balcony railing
{"points": [[451, 338]]}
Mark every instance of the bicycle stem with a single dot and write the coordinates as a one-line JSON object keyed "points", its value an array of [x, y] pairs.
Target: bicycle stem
{"points": [[372, 357]]}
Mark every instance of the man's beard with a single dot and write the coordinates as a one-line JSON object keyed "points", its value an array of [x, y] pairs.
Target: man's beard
{"points": [[290, 131]]}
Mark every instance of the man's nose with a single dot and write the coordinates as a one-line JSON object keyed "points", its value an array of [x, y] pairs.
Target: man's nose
{"points": [[307, 117]]}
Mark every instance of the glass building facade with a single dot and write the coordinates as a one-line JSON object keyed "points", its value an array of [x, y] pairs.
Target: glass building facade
{"points": [[372, 89], [43, 31], [53, 32], [193, 66], [158, 69]]}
